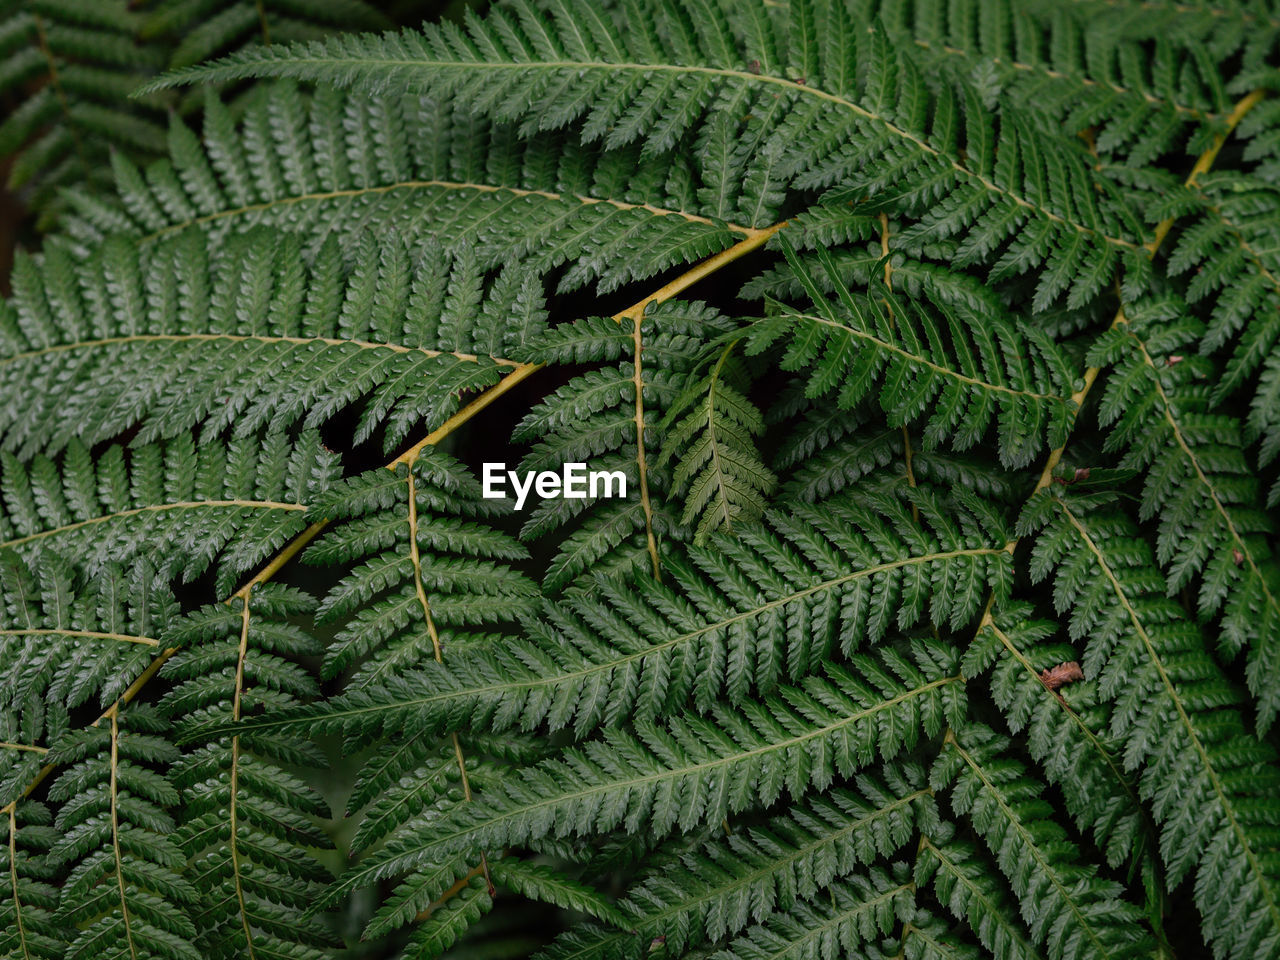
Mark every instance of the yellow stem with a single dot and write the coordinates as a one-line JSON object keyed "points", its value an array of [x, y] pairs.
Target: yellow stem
{"points": [[232, 811], [114, 789]]}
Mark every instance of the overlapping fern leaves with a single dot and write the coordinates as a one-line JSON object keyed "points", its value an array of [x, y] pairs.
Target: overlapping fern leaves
{"points": [[69, 68], [939, 618]]}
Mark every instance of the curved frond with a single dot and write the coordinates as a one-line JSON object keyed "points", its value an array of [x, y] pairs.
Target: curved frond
{"points": [[960, 370], [1200, 488], [869, 130], [1211, 785], [249, 336], [721, 886], [801, 592], [697, 770], [336, 162], [1069, 909], [187, 507]]}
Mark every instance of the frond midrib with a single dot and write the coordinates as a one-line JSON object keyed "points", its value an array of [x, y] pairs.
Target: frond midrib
{"points": [[455, 185], [157, 508], [924, 362], [246, 338], [85, 634]]}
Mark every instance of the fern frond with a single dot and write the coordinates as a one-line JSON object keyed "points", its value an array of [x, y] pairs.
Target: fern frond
{"points": [[595, 417], [341, 161], [72, 66], [539, 882], [249, 336], [926, 937], [28, 928], [878, 130], [1065, 730], [1137, 101], [209, 27], [697, 770], [1210, 785], [1240, 33], [443, 927], [1199, 487], [1228, 253], [964, 371], [429, 571], [188, 507], [1069, 909], [966, 884], [719, 472], [248, 834], [861, 910], [831, 450], [123, 892], [720, 887], [848, 236], [804, 689], [797, 593]]}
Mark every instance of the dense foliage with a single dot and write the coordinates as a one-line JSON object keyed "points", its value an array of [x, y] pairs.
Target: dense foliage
{"points": [[938, 342]]}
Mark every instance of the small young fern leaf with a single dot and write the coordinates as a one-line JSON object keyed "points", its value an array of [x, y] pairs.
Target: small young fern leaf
{"points": [[709, 431], [592, 419]]}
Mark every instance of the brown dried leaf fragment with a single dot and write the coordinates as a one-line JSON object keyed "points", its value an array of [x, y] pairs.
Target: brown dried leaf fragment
{"points": [[1057, 677]]}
